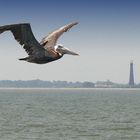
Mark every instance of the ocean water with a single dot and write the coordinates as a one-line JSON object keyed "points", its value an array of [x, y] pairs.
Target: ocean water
{"points": [[69, 114]]}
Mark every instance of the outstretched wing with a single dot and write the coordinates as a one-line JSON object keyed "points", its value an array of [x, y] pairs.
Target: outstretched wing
{"points": [[50, 40], [23, 34]]}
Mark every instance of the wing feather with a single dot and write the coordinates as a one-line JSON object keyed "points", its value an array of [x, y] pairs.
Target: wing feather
{"points": [[50, 40], [23, 34]]}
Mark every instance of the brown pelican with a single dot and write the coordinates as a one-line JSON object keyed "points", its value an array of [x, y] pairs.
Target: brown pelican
{"points": [[45, 51]]}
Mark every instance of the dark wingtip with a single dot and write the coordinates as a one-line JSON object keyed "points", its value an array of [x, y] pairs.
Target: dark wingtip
{"points": [[75, 23], [1, 31]]}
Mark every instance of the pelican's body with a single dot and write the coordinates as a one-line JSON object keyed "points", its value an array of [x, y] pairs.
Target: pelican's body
{"points": [[43, 52]]}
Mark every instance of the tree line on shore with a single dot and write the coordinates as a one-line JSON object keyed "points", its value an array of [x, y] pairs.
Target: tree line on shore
{"points": [[44, 84]]}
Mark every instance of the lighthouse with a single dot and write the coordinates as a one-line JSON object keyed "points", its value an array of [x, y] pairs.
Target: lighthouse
{"points": [[131, 76]]}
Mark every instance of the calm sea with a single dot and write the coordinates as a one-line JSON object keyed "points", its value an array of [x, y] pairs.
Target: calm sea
{"points": [[69, 114]]}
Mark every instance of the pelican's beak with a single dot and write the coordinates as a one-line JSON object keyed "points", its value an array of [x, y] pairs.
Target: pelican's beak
{"points": [[67, 51]]}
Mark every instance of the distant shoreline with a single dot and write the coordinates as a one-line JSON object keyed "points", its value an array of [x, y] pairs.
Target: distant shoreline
{"points": [[37, 83], [13, 88]]}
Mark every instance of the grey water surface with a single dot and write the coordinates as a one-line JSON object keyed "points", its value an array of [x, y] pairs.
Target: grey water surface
{"points": [[69, 114]]}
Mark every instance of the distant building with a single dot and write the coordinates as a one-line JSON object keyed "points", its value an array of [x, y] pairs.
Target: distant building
{"points": [[104, 84], [131, 75]]}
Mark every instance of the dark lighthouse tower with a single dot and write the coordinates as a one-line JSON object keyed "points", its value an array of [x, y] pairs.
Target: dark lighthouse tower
{"points": [[131, 76]]}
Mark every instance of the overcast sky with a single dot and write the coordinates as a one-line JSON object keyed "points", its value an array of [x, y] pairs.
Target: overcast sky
{"points": [[107, 38]]}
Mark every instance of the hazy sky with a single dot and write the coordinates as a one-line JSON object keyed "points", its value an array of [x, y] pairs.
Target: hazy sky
{"points": [[107, 38]]}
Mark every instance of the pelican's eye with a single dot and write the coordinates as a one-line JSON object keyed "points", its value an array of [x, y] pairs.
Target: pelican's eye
{"points": [[60, 46]]}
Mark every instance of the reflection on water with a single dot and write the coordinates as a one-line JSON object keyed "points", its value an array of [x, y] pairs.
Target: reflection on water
{"points": [[58, 114]]}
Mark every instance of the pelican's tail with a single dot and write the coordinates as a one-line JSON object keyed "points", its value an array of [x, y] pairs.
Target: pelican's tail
{"points": [[25, 59]]}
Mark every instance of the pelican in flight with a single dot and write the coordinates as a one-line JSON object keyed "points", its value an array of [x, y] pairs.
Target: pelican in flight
{"points": [[45, 51]]}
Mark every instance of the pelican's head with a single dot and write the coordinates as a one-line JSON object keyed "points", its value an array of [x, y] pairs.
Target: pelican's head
{"points": [[62, 50]]}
